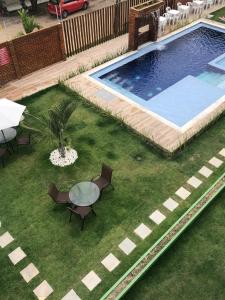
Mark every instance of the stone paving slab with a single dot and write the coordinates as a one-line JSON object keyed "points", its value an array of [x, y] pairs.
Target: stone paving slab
{"points": [[110, 262], [183, 193], [157, 217], [194, 181], [216, 162], [170, 204], [72, 295], [91, 280], [43, 290], [142, 231], [127, 246], [5, 239], [222, 152], [29, 272], [17, 255], [206, 172]]}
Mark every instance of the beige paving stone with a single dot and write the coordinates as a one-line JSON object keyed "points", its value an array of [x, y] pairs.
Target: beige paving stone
{"points": [[194, 181], [17, 255], [222, 152], [72, 295], [183, 193], [206, 172], [5, 239], [142, 231], [91, 280], [157, 217], [29, 272], [110, 262], [170, 204], [216, 162], [127, 246], [43, 290]]}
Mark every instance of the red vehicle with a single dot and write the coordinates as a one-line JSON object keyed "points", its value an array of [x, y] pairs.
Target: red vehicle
{"points": [[65, 7]]}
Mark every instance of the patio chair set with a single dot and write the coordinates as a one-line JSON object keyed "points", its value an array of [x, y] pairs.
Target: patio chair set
{"points": [[7, 143], [172, 16], [83, 195], [11, 114]]}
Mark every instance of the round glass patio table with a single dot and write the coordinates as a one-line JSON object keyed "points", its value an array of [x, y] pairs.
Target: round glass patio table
{"points": [[84, 193], [6, 135]]}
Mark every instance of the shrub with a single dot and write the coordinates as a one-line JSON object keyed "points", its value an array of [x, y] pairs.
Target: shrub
{"points": [[29, 23]]}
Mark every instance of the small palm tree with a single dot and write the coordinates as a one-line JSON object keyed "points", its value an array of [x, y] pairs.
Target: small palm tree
{"points": [[55, 123]]}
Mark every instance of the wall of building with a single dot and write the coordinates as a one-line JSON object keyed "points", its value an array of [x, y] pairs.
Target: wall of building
{"points": [[32, 52]]}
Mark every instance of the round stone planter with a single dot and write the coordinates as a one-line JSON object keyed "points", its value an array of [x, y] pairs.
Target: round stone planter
{"points": [[69, 159]]}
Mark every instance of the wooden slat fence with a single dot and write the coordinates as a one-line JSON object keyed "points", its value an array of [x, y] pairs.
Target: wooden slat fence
{"points": [[91, 29]]}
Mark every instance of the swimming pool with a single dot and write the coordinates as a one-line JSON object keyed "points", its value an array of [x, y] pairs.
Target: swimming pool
{"points": [[172, 78]]}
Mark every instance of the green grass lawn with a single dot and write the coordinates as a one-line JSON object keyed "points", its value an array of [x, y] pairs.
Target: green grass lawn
{"points": [[217, 14], [62, 253], [194, 267]]}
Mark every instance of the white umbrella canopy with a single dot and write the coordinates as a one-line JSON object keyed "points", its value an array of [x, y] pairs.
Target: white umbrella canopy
{"points": [[10, 113]]}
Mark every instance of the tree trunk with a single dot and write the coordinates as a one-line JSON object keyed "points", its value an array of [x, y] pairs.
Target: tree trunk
{"points": [[33, 5], [61, 149]]}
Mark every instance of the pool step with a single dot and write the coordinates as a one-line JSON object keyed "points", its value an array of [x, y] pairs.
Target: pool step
{"points": [[222, 85], [213, 78]]}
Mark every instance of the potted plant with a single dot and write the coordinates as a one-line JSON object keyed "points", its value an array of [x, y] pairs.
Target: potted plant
{"points": [[55, 125]]}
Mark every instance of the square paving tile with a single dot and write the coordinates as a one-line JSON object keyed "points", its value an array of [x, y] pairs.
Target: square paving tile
{"points": [[194, 181], [91, 280], [17, 255], [72, 295], [157, 217], [110, 262], [222, 152], [170, 204], [5, 239], [43, 290], [216, 162], [127, 246], [29, 272], [183, 193], [142, 231], [205, 171]]}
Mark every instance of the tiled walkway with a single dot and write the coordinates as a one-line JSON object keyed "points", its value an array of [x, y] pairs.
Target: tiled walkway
{"points": [[110, 262], [43, 290], [127, 246]]}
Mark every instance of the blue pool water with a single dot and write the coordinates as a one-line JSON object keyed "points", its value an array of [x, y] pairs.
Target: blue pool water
{"points": [[172, 78]]}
